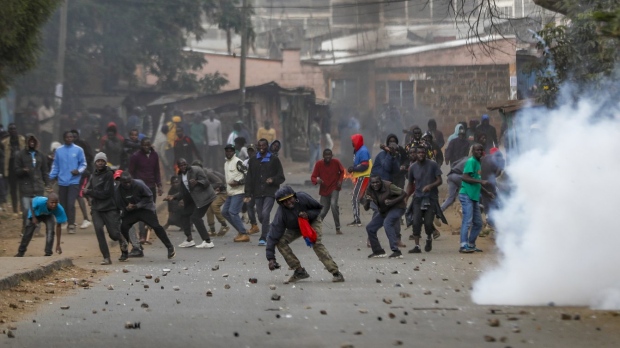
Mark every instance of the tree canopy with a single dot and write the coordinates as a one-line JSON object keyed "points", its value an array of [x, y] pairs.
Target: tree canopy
{"points": [[20, 25]]}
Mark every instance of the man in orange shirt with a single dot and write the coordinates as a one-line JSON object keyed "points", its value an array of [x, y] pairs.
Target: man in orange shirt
{"points": [[328, 173]]}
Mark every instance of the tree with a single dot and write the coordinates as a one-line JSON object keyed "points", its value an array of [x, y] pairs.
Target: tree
{"points": [[108, 40], [20, 24]]}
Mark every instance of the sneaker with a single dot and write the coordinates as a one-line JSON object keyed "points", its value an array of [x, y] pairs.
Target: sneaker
{"points": [[19, 255], [187, 244], [171, 252], [376, 255], [106, 262], [48, 254], [355, 224], [429, 245], [436, 234], [223, 231], [474, 248], [338, 278], [124, 256], [437, 222], [85, 224], [254, 229], [262, 243], [205, 245], [298, 275], [71, 229], [338, 231], [242, 237], [396, 255], [465, 250], [136, 253], [416, 250]]}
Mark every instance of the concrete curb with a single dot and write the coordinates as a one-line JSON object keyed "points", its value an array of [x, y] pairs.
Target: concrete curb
{"points": [[34, 274]]}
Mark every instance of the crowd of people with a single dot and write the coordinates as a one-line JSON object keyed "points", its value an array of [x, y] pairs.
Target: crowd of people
{"points": [[120, 180]]}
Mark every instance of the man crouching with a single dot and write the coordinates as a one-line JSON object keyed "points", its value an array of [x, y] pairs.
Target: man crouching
{"points": [[285, 229]]}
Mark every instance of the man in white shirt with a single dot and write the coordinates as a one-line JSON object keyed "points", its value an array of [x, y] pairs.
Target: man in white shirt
{"points": [[235, 181], [214, 141]]}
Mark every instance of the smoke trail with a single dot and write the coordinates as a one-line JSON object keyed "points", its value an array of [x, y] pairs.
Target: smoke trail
{"points": [[558, 230]]}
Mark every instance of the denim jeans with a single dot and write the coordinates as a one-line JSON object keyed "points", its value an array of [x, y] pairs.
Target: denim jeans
{"points": [[252, 211], [391, 223], [67, 196], [471, 216], [50, 223], [231, 210], [263, 209], [454, 185], [331, 201], [315, 155], [25, 207]]}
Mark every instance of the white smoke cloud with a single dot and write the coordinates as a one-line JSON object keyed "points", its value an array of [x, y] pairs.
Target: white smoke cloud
{"points": [[558, 230]]}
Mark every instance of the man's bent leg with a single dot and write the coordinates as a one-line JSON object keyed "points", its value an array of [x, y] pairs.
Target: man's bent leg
{"points": [[391, 221], [50, 223], [287, 253], [371, 229], [320, 250]]}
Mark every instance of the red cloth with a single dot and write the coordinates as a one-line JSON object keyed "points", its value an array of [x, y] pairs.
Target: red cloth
{"points": [[307, 232], [331, 174]]}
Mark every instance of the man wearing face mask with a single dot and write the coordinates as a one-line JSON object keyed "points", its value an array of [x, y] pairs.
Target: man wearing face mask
{"points": [[285, 229], [390, 202]]}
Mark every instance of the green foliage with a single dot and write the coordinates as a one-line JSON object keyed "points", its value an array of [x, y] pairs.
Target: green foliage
{"points": [[20, 24], [578, 52], [108, 40]]}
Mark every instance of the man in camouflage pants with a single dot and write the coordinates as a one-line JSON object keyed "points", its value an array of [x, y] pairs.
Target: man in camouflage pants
{"points": [[285, 229]]}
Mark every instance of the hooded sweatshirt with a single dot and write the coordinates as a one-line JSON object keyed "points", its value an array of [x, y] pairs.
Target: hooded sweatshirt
{"points": [[362, 164], [31, 170], [101, 191], [456, 132]]}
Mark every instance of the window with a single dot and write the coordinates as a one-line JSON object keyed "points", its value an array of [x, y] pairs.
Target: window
{"points": [[400, 94]]}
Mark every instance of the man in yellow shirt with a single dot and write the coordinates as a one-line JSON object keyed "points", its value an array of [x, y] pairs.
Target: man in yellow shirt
{"points": [[266, 132]]}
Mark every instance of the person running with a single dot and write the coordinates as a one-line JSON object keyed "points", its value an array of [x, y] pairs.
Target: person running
{"points": [[197, 195], [89, 155], [100, 189], [264, 177], [469, 196], [390, 202], [285, 229], [235, 179], [424, 178], [67, 168], [135, 200], [49, 211], [328, 174], [360, 170]]}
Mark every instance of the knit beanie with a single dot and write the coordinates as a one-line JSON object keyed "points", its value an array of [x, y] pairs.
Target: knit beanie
{"points": [[101, 155]]}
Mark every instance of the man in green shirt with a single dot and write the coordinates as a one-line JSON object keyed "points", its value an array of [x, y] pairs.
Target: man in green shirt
{"points": [[469, 195]]}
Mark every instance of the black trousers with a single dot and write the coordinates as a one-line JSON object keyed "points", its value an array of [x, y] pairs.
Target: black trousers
{"points": [[13, 188], [67, 195], [110, 220], [423, 217], [141, 227], [193, 215], [148, 217], [50, 223]]}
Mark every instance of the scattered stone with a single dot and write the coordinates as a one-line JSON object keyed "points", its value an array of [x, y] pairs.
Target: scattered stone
{"points": [[357, 333], [324, 312], [125, 270], [253, 280], [427, 292], [64, 307], [93, 271], [223, 258], [185, 268], [363, 311], [516, 329], [225, 275], [387, 301], [493, 322], [209, 293], [130, 325], [144, 305], [346, 345], [566, 316], [84, 284], [397, 285], [13, 305], [457, 290], [12, 327], [391, 315], [403, 321], [416, 268], [94, 311], [157, 280], [378, 280], [215, 268], [236, 334], [503, 339], [176, 288], [10, 334], [148, 276], [178, 301], [488, 338], [577, 317], [394, 272], [275, 297], [404, 294], [272, 287], [398, 343], [166, 270], [227, 286], [110, 287], [146, 286]]}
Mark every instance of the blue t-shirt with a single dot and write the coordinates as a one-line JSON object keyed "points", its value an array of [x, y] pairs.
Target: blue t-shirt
{"points": [[39, 204]]}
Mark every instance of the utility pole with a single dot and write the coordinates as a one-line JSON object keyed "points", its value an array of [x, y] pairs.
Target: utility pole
{"points": [[60, 66], [244, 53]]}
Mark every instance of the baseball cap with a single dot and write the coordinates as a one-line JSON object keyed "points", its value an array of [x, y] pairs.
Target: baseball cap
{"points": [[117, 174]]}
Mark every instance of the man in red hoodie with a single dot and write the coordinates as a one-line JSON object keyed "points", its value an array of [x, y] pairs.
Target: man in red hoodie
{"points": [[360, 170], [328, 173]]}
